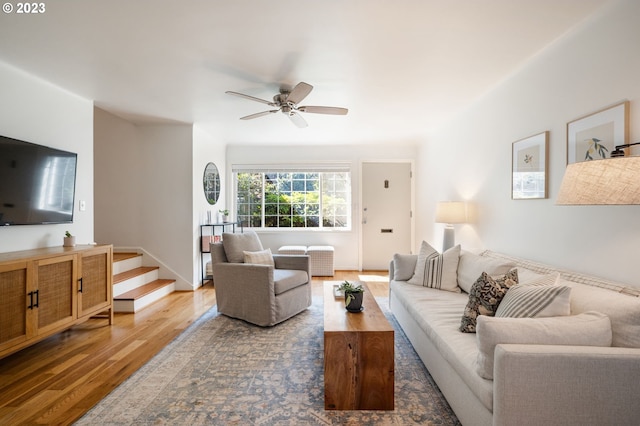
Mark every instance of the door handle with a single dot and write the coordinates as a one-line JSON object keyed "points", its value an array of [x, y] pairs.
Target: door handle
{"points": [[80, 286]]}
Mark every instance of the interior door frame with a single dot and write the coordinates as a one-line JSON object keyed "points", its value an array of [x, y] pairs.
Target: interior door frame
{"points": [[412, 196]]}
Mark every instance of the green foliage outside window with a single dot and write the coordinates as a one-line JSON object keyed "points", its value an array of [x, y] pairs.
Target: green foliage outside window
{"points": [[294, 200]]}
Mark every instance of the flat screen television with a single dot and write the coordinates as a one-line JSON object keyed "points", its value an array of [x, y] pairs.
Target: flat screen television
{"points": [[37, 183]]}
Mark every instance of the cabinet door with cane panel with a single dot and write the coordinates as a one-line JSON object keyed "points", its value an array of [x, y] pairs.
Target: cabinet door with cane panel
{"points": [[54, 298], [15, 317], [94, 285]]}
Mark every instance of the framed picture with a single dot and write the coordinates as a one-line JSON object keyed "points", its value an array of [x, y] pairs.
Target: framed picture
{"points": [[594, 137], [529, 167]]}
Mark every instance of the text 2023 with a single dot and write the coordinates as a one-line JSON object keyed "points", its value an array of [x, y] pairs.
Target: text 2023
{"points": [[30, 8]]}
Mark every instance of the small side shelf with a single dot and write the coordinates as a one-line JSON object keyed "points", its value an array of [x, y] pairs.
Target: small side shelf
{"points": [[210, 233]]}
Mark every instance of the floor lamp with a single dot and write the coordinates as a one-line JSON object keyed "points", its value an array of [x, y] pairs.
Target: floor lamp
{"points": [[450, 212]]}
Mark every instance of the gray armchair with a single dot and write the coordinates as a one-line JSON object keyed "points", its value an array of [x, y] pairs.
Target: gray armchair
{"points": [[261, 294]]}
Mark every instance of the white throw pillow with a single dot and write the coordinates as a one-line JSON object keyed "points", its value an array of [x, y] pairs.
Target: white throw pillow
{"points": [[262, 257], [586, 329], [471, 266], [436, 270]]}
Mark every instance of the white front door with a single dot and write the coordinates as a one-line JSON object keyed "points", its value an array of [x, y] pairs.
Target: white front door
{"points": [[386, 212]]}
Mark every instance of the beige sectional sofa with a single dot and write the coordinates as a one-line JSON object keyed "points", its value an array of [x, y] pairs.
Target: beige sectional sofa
{"points": [[584, 368]]}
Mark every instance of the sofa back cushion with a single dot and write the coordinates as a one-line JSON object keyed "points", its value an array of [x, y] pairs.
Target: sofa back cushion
{"points": [[622, 309], [403, 266], [235, 244], [588, 293], [471, 265]]}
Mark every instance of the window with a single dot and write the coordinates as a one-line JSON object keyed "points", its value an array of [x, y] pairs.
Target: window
{"points": [[293, 199]]}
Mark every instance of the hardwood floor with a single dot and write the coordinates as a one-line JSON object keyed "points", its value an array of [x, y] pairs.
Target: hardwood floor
{"points": [[57, 380]]}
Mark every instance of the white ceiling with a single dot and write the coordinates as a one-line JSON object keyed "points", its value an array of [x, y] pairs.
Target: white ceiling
{"points": [[401, 67]]}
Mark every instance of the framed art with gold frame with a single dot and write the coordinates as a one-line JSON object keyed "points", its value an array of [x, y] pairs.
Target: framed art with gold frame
{"points": [[595, 136]]}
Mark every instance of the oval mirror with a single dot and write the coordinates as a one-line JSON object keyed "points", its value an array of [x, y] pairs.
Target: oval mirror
{"points": [[211, 182]]}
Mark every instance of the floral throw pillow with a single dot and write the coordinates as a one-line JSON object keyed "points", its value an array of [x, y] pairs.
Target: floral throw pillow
{"points": [[485, 296]]}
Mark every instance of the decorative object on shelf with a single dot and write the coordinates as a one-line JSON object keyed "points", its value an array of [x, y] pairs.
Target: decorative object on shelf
{"points": [[211, 183], [614, 181], [352, 296], [529, 167], [596, 135], [224, 215], [450, 212], [69, 240]]}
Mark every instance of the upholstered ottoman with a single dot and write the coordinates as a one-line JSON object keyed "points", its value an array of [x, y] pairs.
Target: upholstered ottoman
{"points": [[292, 250], [321, 259]]}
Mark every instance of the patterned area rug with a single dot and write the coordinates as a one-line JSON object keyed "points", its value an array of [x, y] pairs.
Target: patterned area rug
{"points": [[223, 371]]}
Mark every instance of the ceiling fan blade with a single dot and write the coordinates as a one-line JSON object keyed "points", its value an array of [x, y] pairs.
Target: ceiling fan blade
{"points": [[299, 92], [324, 110], [297, 119], [252, 98], [258, 114]]}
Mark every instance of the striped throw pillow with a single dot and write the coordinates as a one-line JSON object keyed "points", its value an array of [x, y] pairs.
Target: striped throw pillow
{"points": [[534, 301], [435, 270]]}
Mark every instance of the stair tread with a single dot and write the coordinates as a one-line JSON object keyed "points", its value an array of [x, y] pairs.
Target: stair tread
{"points": [[142, 291], [119, 256], [123, 276]]}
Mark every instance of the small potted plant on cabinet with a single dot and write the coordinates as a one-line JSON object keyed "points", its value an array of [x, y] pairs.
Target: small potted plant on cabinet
{"points": [[224, 215], [69, 240], [352, 296]]}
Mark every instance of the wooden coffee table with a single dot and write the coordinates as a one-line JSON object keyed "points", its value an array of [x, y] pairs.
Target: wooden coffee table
{"points": [[358, 355]]}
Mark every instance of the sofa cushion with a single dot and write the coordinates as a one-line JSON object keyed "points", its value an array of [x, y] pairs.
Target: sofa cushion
{"points": [[286, 279], [262, 257], [403, 266], [437, 313], [586, 329], [235, 244], [531, 301], [485, 296], [436, 270], [623, 310], [472, 265]]}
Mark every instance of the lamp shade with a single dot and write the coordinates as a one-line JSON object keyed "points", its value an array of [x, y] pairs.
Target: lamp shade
{"points": [[601, 182], [451, 212]]}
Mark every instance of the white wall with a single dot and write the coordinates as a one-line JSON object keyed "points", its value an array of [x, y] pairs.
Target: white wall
{"points": [[591, 68], [206, 148], [346, 243], [144, 184], [36, 111]]}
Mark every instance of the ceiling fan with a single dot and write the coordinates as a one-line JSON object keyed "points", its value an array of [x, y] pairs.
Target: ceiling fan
{"points": [[287, 103]]}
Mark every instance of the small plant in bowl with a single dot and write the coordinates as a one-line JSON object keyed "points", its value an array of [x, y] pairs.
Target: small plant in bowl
{"points": [[352, 296], [69, 240]]}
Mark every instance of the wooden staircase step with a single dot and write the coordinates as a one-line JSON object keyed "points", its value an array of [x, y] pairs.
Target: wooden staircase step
{"points": [[119, 256], [123, 276], [144, 290]]}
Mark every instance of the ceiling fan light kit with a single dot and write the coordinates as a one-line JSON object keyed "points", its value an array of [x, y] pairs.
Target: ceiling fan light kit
{"points": [[287, 103]]}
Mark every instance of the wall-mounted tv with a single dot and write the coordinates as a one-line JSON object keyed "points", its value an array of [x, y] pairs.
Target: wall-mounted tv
{"points": [[37, 183]]}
